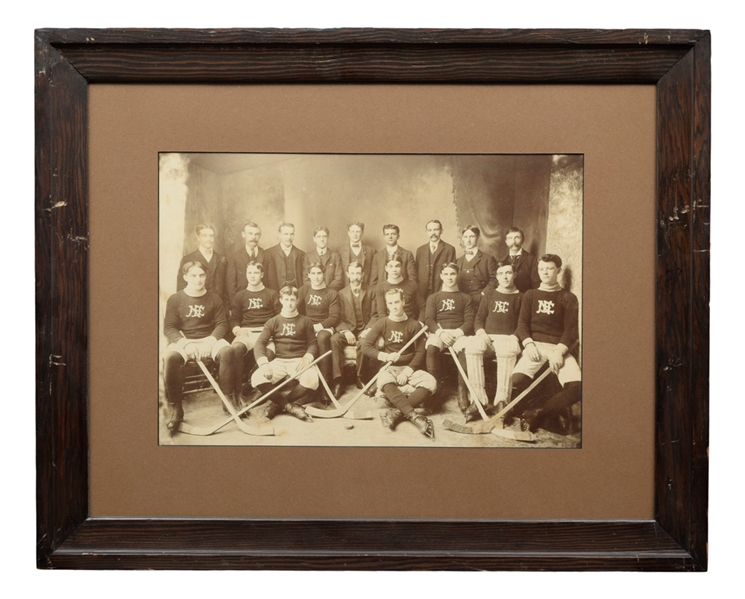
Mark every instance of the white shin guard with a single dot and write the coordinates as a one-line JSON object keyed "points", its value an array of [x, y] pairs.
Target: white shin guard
{"points": [[505, 365], [475, 367]]}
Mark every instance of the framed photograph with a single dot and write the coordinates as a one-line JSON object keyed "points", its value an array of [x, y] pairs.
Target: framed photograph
{"points": [[161, 155]]}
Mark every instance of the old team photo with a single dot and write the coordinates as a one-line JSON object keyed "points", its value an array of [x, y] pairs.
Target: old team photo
{"points": [[370, 300]]}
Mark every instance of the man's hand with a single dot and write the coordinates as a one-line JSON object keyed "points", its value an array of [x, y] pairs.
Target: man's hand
{"points": [[556, 361], [447, 337], [242, 331], [349, 336], [393, 357], [317, 327], [401, 378], [532, 352], [266, 371], [304, 361], [191, 350]]}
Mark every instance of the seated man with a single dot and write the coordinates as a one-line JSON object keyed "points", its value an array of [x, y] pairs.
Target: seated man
{"points": [[250, 310], [547, 328], [321, 305], [496, 323], [356, 312], [329, 260], [296, 347], [412, 302], [405, 376], [195, 327], [449, 318]]}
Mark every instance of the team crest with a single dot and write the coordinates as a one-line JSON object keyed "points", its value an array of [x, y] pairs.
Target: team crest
{"points": [[545, 307], [501, 307], [396, 337], [195, 311], [314, 300], [255, 303], [447, 305], [288, 329]]}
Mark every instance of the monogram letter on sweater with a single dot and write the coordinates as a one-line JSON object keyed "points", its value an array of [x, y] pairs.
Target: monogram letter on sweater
{"points": [[195, 312], [255, 303], [288, 330], [545, 307], [396, 337], [447, 305], [314, 300], [501, 307]]}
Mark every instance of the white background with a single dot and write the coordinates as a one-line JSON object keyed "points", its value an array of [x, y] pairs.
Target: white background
{"points": [[18, 576]]}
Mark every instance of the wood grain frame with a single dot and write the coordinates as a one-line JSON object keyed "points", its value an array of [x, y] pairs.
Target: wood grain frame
{"points": [[677, 61]]}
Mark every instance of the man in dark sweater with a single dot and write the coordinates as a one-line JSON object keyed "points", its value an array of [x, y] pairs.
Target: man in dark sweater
{"points": [[321, 305], [449, 318], [250, 310], [295, 347], [525, 264], [496, 325], [195, 327], [404, 384], [547, 327], [356, 302]]}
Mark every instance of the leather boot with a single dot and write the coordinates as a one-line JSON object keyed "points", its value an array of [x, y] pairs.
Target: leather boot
{"points": [[463, 401], [177, 417], [390, 418], [422, 423], [298, 412]]}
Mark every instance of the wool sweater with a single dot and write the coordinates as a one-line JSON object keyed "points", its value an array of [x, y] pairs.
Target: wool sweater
{"points": [[253, 308], [549, 316], [322, 306], [498, 312], [450, 310], [195, 317], [395, 335], [293, 337]]}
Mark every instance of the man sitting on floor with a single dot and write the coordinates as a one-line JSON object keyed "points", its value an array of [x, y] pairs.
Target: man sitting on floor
{"points": [[404, 384], [295, 347]]}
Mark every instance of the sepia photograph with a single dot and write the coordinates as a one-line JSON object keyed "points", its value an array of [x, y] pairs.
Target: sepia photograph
{"points": [[370, 300]]}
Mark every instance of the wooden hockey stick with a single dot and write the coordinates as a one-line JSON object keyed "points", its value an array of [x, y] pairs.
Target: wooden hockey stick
{"points": [[205, 431], [316, 413], [351, 414], [264, 431]]}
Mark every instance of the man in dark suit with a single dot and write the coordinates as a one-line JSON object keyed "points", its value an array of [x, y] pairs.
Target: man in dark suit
{"points": [[214, 263], [329, 260], [356, 251], [391, 233], [524, 264], [238, 260], [430, 259], [356, 312], [285, 261], [477, 269]]}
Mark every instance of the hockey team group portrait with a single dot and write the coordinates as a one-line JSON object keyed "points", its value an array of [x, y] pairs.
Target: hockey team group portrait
{"points": [[380, 300]]}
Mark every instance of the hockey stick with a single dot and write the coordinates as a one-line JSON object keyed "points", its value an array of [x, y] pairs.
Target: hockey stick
{"points": [[266, 431], [205, 431], [487, 425], [350, 415], [316, 413]]}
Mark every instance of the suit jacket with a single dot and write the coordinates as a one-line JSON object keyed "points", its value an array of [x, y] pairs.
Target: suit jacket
{"points": [[347, 322], [365, 257], [216, 269], [428, 265], [332, 269], [408, 268], [526, 271], [236, 276], [277, 271], [479, 274]]}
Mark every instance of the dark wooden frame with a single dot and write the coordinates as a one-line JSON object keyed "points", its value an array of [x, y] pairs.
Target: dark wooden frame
{"points": [[678, 62]]}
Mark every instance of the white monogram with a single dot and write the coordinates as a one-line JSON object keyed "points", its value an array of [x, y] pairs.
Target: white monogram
{"points": [[314, 300], [396, 337], [255, 303], [502, 307], [447, 304], [195, 311], [288, 329], [545, 307]]}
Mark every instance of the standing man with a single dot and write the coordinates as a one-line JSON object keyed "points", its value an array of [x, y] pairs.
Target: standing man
{"points": [[525, 264], [496, 326], [327, 258], [477, 269], [356, 251], [413, 305], [285, 266], [430, 258], [295, 347], [449, 318], [547, 328], [214, 264], [250, 309], [356, 302], [195, 327], [391, 234], [239, 260], [321, 304], [404, 384]]}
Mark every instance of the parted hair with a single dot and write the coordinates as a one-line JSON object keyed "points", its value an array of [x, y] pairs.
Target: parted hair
{"points": [[354, 264], [324, 229], [255, 264], [452, 265], [395, 257], [396, 291], [283, 225], [315, 264], [358, 224], [474, 229], [502, 263], [189, 265], [394, 227], [289, 290], [199, 228], [551, 258]]}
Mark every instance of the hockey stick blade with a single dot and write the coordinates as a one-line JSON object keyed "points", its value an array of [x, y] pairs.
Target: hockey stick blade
{"points": [[508, 433]]}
